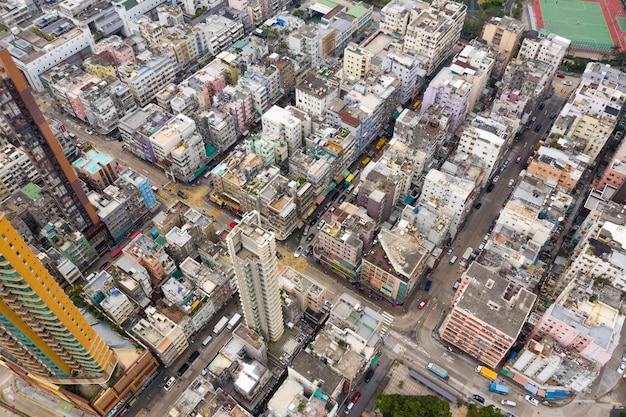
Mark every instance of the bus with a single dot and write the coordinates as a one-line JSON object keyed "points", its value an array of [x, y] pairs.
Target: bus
{"points": [[117, 252]]}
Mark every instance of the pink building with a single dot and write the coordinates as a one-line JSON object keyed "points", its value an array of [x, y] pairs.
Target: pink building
{"points": [[74, 94], [486, 315], [210, 81], [239, 104], [577, 331], [118, 50], [615, 173]]}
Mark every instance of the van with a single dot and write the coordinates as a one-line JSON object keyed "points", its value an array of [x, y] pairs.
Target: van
{"points": [[349, 407], [428, 285], [71, 135], [182, 369], [456, 284], [509, 403], [453, 259], [208, 339], [193, 356], [169, 384]]}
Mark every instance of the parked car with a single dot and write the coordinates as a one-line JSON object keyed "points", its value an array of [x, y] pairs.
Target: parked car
{"points": [[541, 106], [478, 205], [310, 237], [369, 375], [490, 187], [518, 159], [321, 224], [495, 179], [451, 249], [552, 116], [511, 183], [233, 224], [423, 304], [88, 131], [560, 76], [278, 255], [193, 356], [341, 199], [182, 195], [621, 368], [298, 252], [532, 400], [308, 250]]}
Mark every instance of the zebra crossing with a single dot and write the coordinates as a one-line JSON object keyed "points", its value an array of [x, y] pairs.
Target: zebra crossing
{"points": [[387, 321]]}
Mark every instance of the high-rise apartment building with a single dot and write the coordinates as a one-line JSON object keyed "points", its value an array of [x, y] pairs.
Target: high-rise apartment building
{"points": [[41, 329], [253, 251], [22, 114]]}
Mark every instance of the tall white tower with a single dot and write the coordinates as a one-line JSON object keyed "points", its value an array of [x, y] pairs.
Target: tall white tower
{"points": [[253, 251]]}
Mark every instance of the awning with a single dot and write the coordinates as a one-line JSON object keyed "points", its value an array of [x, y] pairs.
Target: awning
{"points": [[374, 360], [200, 171], [320, 199]]}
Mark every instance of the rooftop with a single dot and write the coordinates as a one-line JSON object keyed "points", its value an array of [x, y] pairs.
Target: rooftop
{"points": [[494, 300]]}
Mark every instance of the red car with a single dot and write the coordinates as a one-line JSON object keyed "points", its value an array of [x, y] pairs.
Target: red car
{"points": [[356, 397], [423, 304], [560, 76], [518, 159], [233, 224]]}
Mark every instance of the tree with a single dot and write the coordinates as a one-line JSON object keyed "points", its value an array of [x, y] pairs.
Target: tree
{"points": [[409, 406], [298, 13]]}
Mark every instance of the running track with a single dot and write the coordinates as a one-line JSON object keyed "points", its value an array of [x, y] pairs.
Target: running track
{"points": [[611, 9]]}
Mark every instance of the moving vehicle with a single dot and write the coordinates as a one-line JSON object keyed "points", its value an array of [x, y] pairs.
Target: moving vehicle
{"points": [[423, 304], [532, 400], [541, 106], [552, 116], [467, 254], [182, 195], [438, 370], [208, 339], [234, 321], [511, 183], [508, 402], [88, 131], [298, 252], [518, 159], [490, 187], [538, 127], [453, 259], [487, 373], [169, 384], [499, 389], [193, 356], [182, 369], [221, 325], [478, 398]]}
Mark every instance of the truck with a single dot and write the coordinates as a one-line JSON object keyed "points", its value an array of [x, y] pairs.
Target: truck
{"points": [[348, 180], [366, 161], [380, 144], [499, 389], [438, 370], [232, 323], [466, 256], [487, 373], [221, 325]]}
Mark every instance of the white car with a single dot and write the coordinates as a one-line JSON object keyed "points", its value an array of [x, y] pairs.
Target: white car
{"points": [[532, 400], [298, 251], [621, 368], [88, 131], [511, 183], [495, 179]]}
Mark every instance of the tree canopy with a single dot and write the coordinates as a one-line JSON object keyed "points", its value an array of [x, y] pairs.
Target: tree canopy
{"points": [[489, 411], [411, 406]]}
